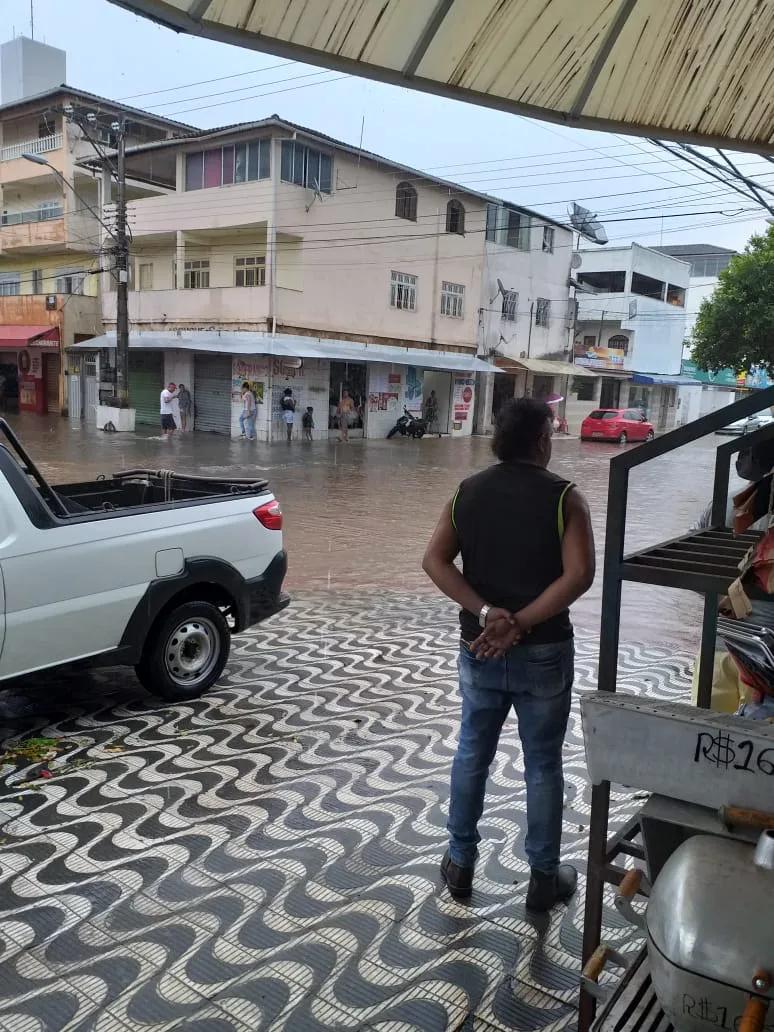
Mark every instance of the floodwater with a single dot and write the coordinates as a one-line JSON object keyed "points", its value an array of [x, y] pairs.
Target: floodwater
{"points": [[359, 515]]}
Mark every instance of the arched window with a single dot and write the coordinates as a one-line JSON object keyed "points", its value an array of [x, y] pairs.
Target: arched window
{"points": [[455, 218], [406, 202], [619, 343]]}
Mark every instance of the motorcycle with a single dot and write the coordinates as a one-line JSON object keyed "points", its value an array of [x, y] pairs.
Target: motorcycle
{"points": [[409, 425]]}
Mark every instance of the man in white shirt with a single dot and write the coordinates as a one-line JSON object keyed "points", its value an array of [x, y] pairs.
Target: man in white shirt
{"points": [[168, 425]]}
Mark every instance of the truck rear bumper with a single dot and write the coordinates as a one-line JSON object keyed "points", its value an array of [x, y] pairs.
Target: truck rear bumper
{"points": [[263, 596]]}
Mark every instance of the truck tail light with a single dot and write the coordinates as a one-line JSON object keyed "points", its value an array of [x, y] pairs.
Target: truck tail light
{"points": [[270, 515]]}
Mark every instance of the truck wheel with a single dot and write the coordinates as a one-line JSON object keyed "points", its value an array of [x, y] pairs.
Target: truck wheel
{"points": [[185, 652]]}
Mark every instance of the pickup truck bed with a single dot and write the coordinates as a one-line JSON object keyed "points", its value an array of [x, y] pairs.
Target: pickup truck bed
{"points": [[150, 568]]}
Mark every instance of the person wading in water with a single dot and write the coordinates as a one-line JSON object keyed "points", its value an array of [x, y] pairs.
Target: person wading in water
{"points": [[527, 551]]}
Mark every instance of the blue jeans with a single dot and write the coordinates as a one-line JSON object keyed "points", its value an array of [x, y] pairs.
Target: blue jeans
{"points": [[537, 681], [247, 424]]}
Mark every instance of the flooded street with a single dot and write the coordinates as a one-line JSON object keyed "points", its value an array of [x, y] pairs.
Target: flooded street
{"points": [[358, 516]]}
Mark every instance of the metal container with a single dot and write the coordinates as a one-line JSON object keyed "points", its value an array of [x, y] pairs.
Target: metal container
{"points": [[710, 929]]}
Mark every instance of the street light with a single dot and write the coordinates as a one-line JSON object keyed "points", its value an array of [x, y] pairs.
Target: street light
{"points": [[121, 251]]}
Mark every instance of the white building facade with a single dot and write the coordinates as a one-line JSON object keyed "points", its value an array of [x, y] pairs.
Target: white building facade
{"points": [[274, 255], [631, 326], [706, 261]]}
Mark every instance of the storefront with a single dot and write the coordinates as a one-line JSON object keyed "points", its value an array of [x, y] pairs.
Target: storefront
{"points": [[146, 380], [380, 379], [30, 368]]}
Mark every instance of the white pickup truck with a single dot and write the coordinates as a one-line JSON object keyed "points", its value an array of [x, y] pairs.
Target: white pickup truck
{"points": [[153, 570]]}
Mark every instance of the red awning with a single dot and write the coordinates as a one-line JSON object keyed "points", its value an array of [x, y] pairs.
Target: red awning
{"points": [[29, 336]]}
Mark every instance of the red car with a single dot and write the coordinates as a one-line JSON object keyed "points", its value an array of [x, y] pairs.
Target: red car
{"points": [[619, 425]]}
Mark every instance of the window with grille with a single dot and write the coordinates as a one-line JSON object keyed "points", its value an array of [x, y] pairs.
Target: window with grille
{"points": [[548, 239], [403, 291], [37, 281], [455, 218], [452, 299], [406, 202], [196, 274], [510, 305], [542, 312], [306, 166], [250, 271]]}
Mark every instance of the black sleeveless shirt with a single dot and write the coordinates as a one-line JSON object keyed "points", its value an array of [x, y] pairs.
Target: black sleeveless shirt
{"points": [[509, 521]]}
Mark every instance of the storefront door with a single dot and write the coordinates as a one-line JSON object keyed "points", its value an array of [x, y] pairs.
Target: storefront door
{"points": [[212, 393], [440, 382], [146, 381], [350, 377]]}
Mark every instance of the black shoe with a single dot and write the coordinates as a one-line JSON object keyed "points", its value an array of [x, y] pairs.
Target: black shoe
{"points": [[546, 890], [459, 880]]}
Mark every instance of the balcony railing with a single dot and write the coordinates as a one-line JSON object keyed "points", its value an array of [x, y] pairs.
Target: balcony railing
{"points": [[37, 145], [46, 214]]}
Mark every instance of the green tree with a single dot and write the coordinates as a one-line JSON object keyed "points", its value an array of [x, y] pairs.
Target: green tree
{"points": [[735, 327]]}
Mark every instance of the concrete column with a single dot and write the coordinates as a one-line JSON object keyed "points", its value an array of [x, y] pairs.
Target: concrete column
{"points": [[179, 259], [484, 400]]}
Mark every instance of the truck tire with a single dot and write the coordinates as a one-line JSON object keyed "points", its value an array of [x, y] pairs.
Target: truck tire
{"points": [[185, 652]]}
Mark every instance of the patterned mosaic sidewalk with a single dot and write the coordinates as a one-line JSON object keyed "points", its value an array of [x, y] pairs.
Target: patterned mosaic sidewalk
{"points": [[267, 857]]}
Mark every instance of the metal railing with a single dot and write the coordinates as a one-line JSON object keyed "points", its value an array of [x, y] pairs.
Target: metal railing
{"points": [[44, 214], [37, 145], [616, 567]]}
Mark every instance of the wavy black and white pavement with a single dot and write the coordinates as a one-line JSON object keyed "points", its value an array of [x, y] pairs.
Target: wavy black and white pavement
{"points": [[267, 857]]}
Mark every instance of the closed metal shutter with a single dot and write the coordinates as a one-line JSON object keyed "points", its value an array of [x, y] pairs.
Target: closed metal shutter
{"points": [[212, 393], [52, 365], [146, 382]]}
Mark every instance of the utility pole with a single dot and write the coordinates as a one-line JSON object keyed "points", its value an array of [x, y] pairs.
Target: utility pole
{"points": [[122, 273]]}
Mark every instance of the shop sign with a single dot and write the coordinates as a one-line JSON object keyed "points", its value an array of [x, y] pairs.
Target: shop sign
{"points": [[756, 378], [462, 398], [599, 358]]}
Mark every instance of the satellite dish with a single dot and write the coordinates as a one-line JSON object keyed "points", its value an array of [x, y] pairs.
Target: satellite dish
{"points": [[576, 261], [585, 222], [316, 195], [500, 290]]}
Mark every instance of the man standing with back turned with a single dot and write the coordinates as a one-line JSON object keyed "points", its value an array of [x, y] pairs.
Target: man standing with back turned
{"points": [[527, 554]]}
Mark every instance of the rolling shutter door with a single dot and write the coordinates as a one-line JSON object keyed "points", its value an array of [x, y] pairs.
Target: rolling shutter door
{"points": [[212, 393], [146, 380], [52, 382]]}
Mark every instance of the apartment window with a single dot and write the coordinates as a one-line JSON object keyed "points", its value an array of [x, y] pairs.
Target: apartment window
{"points": [[455, 218], [548, 239], [589, 343], [403, 291], [510, 305], [675, 295], [542, 312], [619, 343], [452, 299], [145, 276], [196, 274], [507, 226], [647, 286], [605, 282], [70, 281], [306, 166], [37, 281], [250, 271], [222, 166], [10, 284], [406, 202]]}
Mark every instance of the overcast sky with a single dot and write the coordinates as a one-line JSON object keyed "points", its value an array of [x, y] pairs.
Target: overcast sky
{"points": [[640, 193]]}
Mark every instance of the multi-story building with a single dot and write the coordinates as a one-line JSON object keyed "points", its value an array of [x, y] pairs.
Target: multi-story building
{"points": [[274, 254], [50, 236], [710, 391], [631, 326]]}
